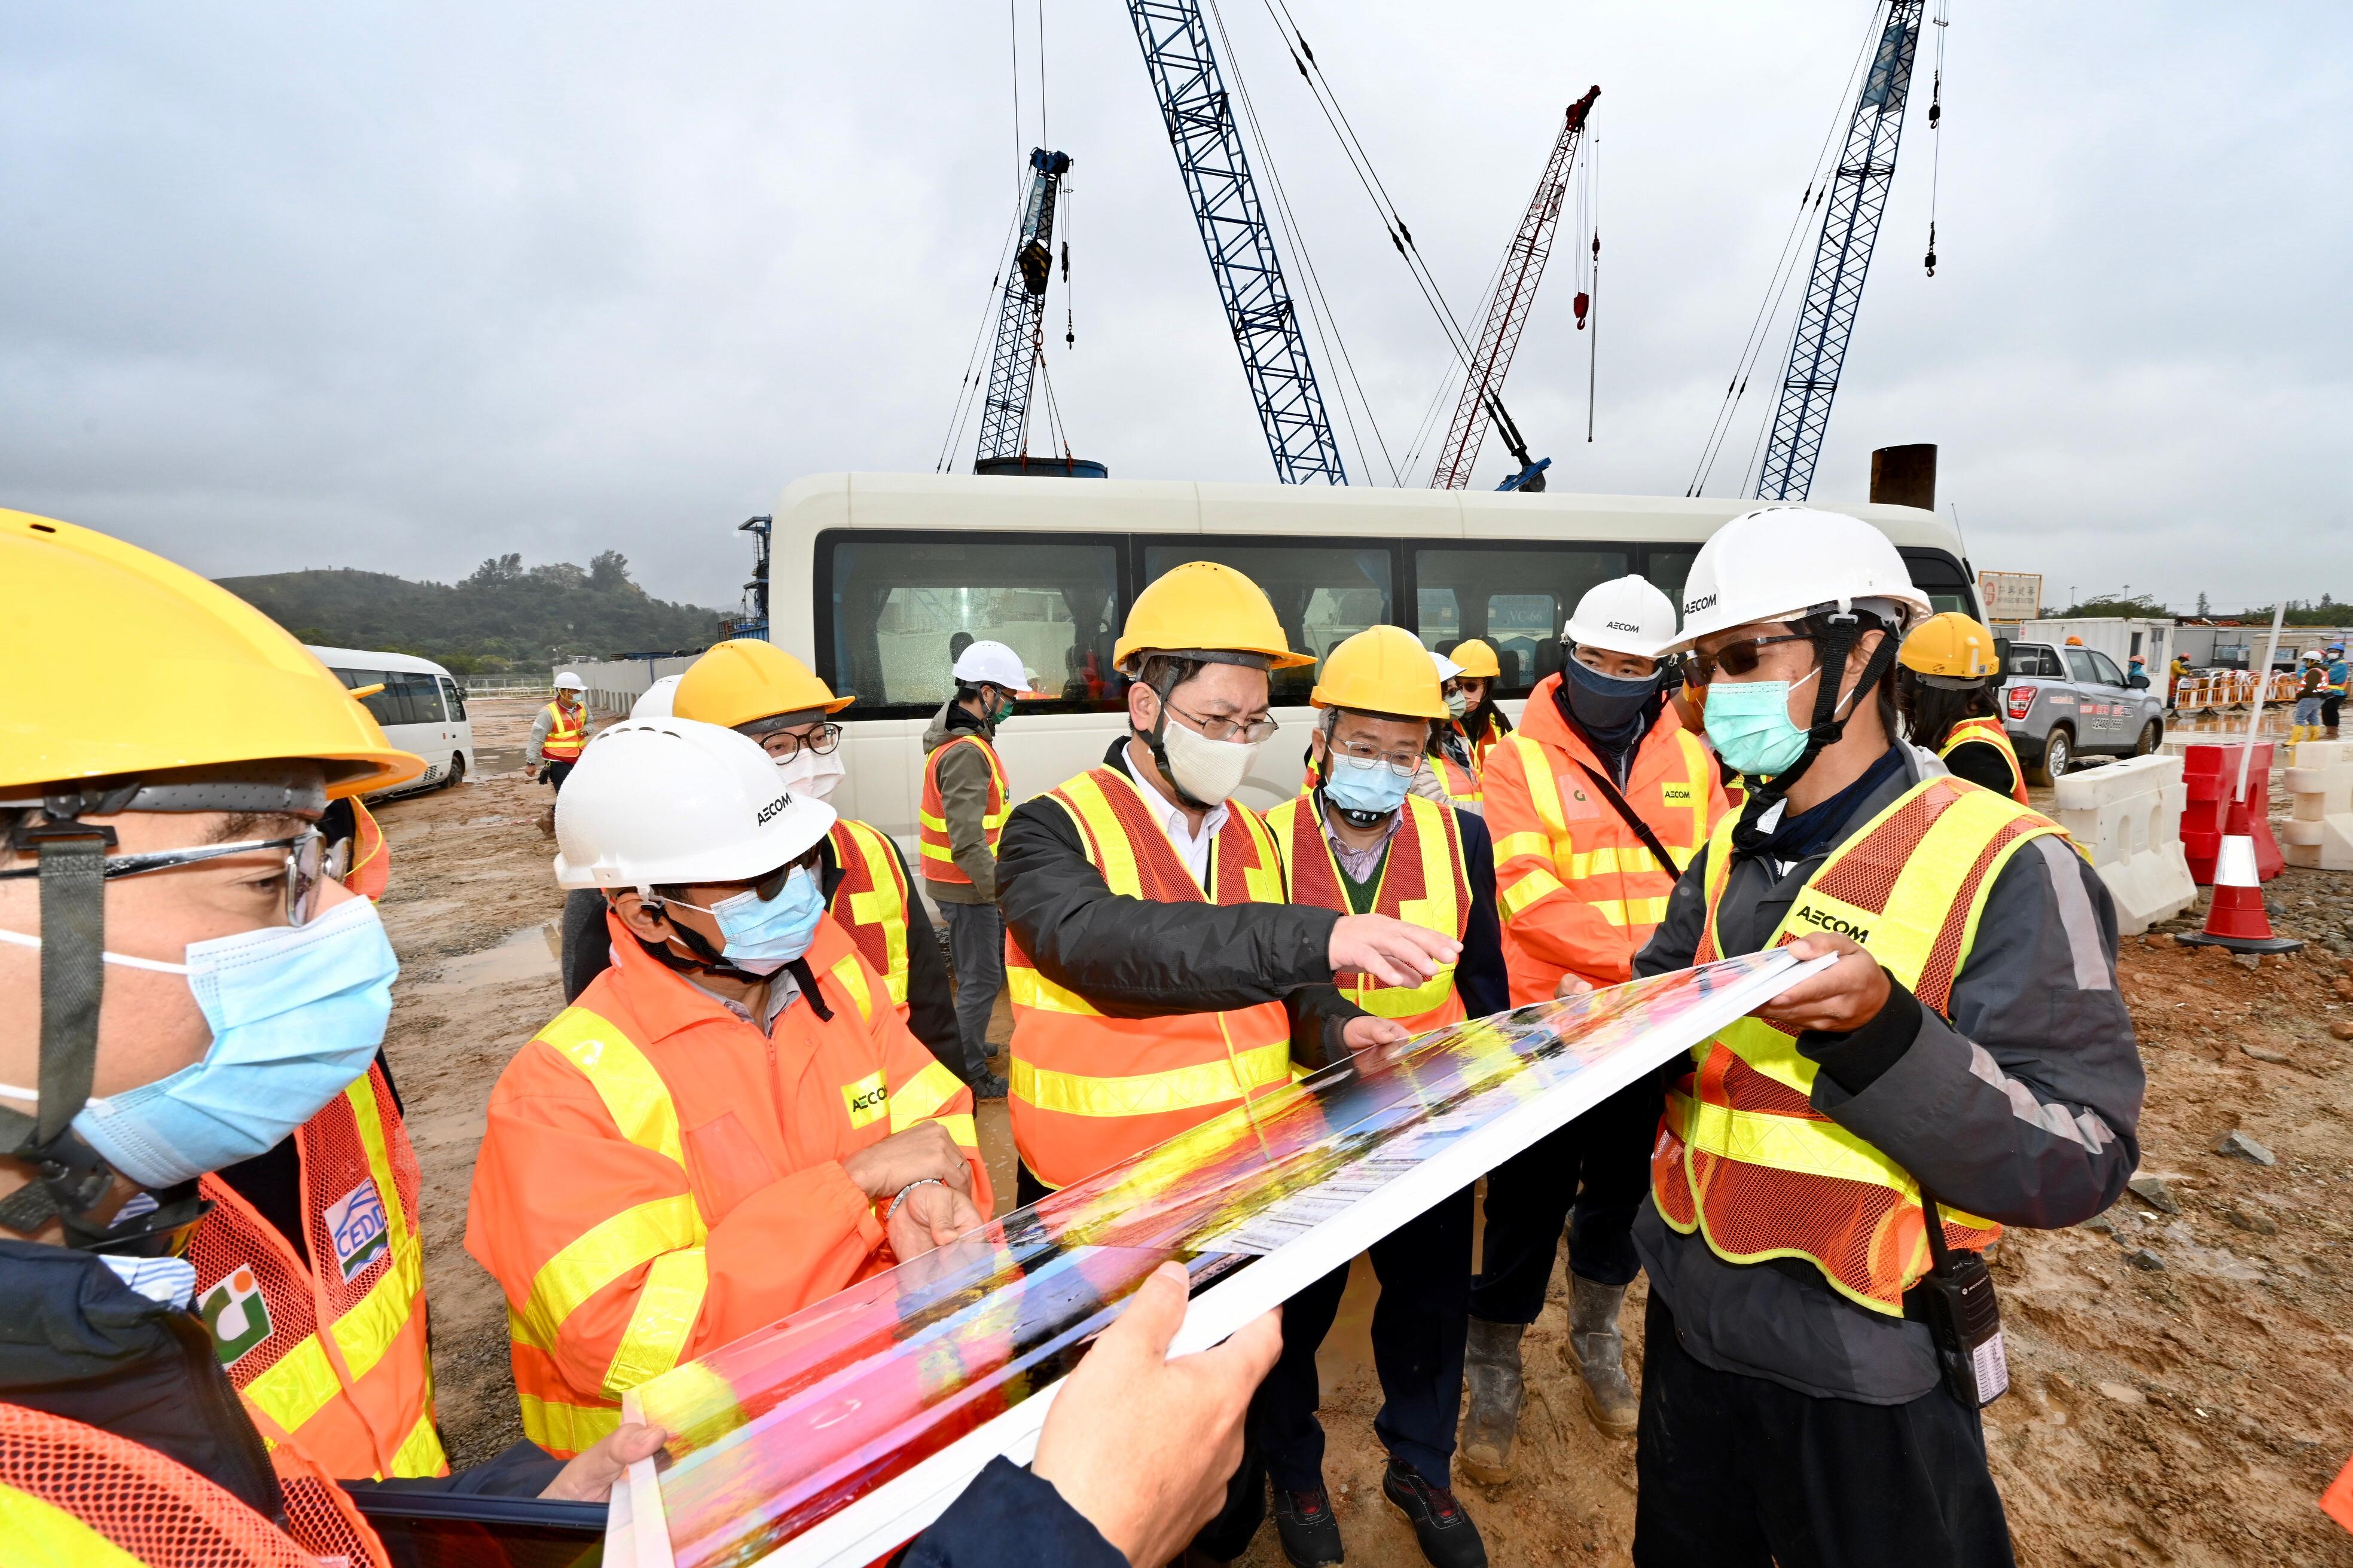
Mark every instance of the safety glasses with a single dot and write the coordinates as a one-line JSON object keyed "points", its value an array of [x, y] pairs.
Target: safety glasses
{"points": [[1358, 751], [1253, 731], [1734, 658], [785, 747], [305, 856]]}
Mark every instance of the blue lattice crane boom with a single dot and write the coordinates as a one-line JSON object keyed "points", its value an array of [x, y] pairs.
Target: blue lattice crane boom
{"points": [[1866, 168], [1201, 129], [1021, 314]]}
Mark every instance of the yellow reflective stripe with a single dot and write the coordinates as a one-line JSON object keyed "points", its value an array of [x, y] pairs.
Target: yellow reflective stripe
{"points": [[299, 1386], [1798, 1144], [1031, 988], [633, 1094], [881, 906], [366, 1331], [663, 1321], [1403, 1002], [961, 1131], [567, 1428], [852, 979], [1629, 912], [1620, 859], [1544, 790], [1517, 844], [607, 1251], [920, 1097], [1527, 890], [1435, 832], [1699, 773], [1083, 798], [936, 824], [40, 1534], [420, 1452], [1147, 1094], [940, 852], [369, 1116]]}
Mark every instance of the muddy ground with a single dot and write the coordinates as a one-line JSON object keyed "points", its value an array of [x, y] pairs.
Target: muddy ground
{"points": [[2181, 1389]]}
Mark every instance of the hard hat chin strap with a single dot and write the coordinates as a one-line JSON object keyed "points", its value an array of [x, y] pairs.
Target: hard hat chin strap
{"points": [[1829, 723]]}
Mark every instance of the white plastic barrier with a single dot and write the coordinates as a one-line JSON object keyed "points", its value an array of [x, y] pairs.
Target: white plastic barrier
{"points": [[2128, 816], [2320, 829]]}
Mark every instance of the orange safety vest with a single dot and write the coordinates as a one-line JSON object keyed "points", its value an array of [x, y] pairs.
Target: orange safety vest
{"points": [[1491, 735], [1990, 731], [1461, 783], [1089, 1090], [334, 1354], [871, 903], [932, 837], [1422, 882], [565, 734], [1742, 1156], [75, 1493]]}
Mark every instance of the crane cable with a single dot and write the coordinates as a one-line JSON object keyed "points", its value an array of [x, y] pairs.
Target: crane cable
{"points": [[1817, 192], [974, 376], [1943, 20]]}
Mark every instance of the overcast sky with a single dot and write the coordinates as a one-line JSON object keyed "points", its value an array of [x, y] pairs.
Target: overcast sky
{"points": [[402, 286]]}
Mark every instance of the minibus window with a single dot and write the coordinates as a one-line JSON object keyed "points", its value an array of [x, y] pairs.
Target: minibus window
{"points": [[455, 696], [1514, 598], [1322, 594], [421, 698], [904, 608], [1667, 570]]}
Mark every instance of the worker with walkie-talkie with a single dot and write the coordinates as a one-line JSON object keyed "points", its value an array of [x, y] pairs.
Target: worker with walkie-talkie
{"points": [[1815, 1353]]}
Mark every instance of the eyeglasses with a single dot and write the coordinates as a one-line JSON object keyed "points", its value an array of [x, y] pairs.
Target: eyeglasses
{"points": [[783, 746], [304, 862], [1732, 658], [1252, 730], [1358, 750]]}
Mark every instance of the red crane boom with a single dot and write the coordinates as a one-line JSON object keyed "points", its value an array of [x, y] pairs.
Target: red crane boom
{"points": [[1515, 292]]}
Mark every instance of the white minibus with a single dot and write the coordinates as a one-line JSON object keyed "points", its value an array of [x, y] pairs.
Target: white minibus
{"points": [[874, 576], [422, 709]]}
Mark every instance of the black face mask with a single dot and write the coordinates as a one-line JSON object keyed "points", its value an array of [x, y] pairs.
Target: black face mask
{"points": [[1606, 705]]}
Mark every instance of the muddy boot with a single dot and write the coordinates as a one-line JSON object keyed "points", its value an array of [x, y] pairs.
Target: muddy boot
{"points": [[547, 822], [1490, 1367], [1601, 1355]]}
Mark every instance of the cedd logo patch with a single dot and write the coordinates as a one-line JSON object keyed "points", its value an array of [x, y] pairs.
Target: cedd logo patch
{"points": [[355, 1224]]}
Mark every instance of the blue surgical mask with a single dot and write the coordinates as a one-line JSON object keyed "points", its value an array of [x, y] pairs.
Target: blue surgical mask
{"points": [[296, 1014], [1748, 721], [1370, 787], [760, 935], [1457, 705]]}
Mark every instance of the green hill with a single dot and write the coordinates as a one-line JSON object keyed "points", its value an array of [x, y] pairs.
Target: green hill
{"points": [[503, 616]]}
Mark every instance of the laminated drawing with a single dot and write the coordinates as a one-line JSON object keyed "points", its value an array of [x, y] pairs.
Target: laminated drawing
{"points": [[837, 1434]]}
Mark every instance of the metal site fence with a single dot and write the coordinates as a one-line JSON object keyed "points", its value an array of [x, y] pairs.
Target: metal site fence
{"points": [[506, 685]]}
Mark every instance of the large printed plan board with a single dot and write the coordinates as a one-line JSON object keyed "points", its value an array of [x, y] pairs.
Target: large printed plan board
{"points": [[838, 1432]]}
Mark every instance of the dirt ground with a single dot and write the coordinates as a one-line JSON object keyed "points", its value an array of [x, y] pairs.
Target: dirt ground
{"points": [[2181, 1390]]}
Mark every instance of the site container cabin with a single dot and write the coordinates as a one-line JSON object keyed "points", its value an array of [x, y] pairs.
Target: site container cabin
{"points": [[422, 709], [874, 576]]}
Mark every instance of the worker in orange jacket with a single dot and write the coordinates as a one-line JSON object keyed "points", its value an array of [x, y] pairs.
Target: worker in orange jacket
{"points": [[732, 1121], [1597, 802]]}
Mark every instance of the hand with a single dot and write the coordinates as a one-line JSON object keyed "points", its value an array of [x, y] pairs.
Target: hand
{"points": [[1846, 996], [1141, 1446], [1571, 985], [1390, 950], [884, 1169], [932, 1216], [531, 773], [1361, 1034], [589, 1477]]}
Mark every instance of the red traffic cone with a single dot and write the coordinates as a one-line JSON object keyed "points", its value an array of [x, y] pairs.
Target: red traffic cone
{"points": [[2236, 919]]}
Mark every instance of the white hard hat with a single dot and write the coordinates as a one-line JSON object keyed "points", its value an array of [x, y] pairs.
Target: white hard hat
{"points": [[994, 663], [655, 702], [567, 681], [1625, 615], [660, 801], [1447, 669], [1779, 563]]}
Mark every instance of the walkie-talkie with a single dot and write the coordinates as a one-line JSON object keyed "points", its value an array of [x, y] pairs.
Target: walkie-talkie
{"points": [[1963, 1317]]}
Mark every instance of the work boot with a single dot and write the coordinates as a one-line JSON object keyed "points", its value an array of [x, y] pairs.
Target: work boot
{"points": [[1601, 1355], [1310, 1532], [1447, 1537], [1490, 1367], [988, 1086], [547, 821]]}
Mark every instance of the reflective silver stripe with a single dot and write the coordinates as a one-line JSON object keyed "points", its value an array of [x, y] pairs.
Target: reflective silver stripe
{"points": [[2077, 918], [2083, 1127]]}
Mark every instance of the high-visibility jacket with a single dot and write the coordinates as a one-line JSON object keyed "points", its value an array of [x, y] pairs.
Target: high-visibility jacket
{"points": [[660, 1177], [871, 903], [1578, 890], [1990, 731], [932, 835], [1087, 1090], [332, 1353], [1742, 1157], [1482, 744], [1422, 882], [75, 1494], [1461, 783], [567, 731]]}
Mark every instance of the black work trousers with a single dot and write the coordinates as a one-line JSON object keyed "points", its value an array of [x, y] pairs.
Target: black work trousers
{"points": [[1590, 1176], [1737, 1472]]}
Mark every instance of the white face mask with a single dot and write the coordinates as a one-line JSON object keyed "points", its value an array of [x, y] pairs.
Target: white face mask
{"points": [[806, 773], [1206, 770]]}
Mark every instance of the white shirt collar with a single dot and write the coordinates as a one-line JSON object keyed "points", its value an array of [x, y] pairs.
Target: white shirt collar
{"points": [[1191, 848]]}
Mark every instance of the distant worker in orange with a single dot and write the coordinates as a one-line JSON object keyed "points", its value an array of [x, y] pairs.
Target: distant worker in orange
{"points": [[1948, 689], [731, 1122], [557, 733], [1469, 693], [1597, 803], [1448, 776]]}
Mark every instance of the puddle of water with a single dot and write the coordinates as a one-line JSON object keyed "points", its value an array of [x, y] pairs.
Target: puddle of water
{"points": [[525, 955]]}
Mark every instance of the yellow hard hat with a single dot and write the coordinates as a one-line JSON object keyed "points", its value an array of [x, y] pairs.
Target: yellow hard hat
{"points": [[744, 679], [122, 664], [1951, 646], [1202, 606], [1381, 669], [1477, 659]]}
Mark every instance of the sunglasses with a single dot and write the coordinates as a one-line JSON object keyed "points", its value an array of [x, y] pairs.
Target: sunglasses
{"points": [[305, 861], [1734, 658]]}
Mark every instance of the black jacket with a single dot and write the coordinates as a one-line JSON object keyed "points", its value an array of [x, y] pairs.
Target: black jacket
{"points": [[1137, 958]]}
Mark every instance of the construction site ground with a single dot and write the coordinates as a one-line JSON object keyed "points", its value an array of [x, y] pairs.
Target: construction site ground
{"points": [[2180, 1385]]}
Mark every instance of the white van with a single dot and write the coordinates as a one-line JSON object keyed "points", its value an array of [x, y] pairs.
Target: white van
{"points": [[874, 574], [422, 709]]}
